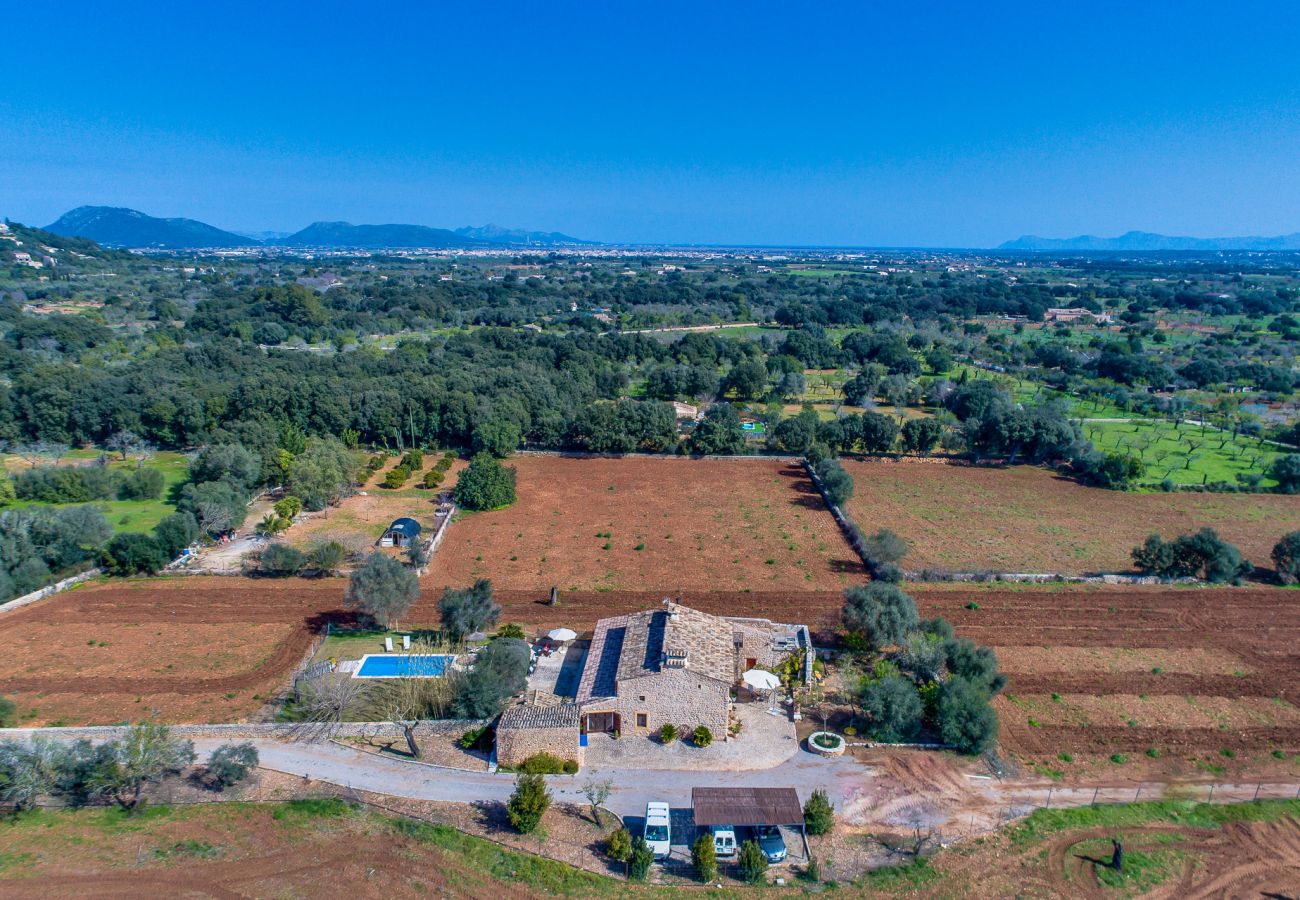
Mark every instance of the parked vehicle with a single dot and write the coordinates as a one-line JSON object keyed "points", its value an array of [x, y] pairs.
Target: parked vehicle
{"points": [[770, 841], [724, 841], [658, 829]]}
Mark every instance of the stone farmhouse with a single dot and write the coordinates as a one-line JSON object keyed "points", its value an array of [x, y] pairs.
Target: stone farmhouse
{"points": [[674, 665], [644, 670]]}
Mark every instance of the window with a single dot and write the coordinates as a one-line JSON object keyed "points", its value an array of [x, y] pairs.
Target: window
{"points": [[640, 720], [642, 698]]}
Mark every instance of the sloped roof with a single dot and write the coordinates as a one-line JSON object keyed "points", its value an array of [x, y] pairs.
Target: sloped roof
{"points": [[746, 806], [529, 716], [635, 645]]}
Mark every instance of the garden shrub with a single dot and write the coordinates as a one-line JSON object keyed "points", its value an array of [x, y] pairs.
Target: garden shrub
{"points": [[818, 814], [280, 560], [702, 737], [668, 733], [528, 803]]}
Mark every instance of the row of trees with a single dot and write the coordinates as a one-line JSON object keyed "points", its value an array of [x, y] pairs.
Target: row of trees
{"points": [[116, 771]]}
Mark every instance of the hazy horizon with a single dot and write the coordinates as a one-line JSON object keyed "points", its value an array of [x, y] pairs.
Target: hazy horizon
{"points": [[847, 126]]}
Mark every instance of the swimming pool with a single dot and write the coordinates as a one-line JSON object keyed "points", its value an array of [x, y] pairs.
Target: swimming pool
{"points": [[403, 665]]}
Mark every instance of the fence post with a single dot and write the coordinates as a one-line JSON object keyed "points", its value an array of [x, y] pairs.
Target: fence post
{"points": [[1138, 794], [1211, 799], [1049, 798], [1094, 796], [1256, 797]]}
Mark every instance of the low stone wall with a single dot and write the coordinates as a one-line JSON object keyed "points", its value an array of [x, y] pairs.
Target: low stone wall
{"points": [[50, 590], [255, 730]]}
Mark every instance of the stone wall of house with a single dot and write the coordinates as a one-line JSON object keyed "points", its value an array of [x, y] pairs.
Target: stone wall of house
{"points": [[678, 696], [756, 645], [514, 745]]}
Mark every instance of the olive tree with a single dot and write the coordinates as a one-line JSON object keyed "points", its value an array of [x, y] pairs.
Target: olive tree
{"points": [[879, 613], [382, 588]]}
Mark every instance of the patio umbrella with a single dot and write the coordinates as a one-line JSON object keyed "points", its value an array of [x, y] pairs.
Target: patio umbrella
{"points": [[560, 635], [760, 680], [475, 636]]}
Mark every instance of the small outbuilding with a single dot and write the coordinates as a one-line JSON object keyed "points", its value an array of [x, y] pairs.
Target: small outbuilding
{"points": [[523, 731], [402, 533]]}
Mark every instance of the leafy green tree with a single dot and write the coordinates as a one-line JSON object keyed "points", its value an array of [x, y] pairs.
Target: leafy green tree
{"points": [[719, 432], [528, 803], [894, 707], [879, 432], [176, 532], [7, 493], [217, 506], [485, 484], [1286, 558], [8, 713], [640, 860], [281, 560], [142, 484], [323, 473], [131, 553], [921, 435], [1202, 554], [325, 557], [752, 862], [29, 771], [978, 665], [500, 672], [704, 854], [619, 847], [382, 588], [879, 613], [467, 610], [797, 433], [231, 463], [146, 753], [231, 764], [837, 482], [818, 814], [748, 379], [1286, 470], [965, 720]]}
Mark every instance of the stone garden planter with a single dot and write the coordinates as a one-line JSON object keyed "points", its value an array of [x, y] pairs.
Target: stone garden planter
{"points": [[826, 743]]}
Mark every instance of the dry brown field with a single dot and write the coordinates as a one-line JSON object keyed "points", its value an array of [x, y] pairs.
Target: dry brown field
{"points": [[1028, 519], [661, 525]]}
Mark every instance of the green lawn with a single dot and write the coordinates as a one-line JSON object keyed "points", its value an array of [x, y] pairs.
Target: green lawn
{"points": [[1185, 454], [128, 515]]}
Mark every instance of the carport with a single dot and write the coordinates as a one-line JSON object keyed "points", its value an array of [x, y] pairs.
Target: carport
{"points": [[748, 807]]}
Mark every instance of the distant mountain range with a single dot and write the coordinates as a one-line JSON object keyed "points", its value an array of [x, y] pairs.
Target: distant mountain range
{"points": [[119, 227], [1144, 240], [115, 226]]}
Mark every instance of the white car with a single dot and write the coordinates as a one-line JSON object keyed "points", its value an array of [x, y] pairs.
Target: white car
{"points": [[658, 831], [724, 841]]}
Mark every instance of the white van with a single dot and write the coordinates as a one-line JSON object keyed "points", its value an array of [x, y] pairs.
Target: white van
{"points": [[724, 841], [658, 832]]}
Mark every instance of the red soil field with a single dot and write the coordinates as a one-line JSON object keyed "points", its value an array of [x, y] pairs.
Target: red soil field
{"points": [[1028, 519], [651, 525], [189, 649]]}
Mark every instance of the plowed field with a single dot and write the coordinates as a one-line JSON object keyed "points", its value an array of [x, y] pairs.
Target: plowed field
{"points": [[1027, 519], [666, 525]]}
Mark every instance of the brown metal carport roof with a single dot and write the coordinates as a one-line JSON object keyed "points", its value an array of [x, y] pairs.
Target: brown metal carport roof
{"points": [[746, 806]]}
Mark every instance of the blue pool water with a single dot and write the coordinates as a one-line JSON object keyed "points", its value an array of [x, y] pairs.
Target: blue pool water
{"points": [[403, 665]]}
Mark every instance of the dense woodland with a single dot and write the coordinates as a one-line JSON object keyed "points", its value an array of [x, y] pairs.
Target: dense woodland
{"points": [[274, 368]]}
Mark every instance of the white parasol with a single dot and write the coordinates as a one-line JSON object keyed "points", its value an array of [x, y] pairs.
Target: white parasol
{"points": [[760, 680], [560, 635]]}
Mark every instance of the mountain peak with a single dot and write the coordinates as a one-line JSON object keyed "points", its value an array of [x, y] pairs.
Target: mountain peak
{"points": [[118, 226]]}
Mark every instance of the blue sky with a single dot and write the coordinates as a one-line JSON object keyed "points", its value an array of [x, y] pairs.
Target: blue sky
{"points": [[900, 124]]}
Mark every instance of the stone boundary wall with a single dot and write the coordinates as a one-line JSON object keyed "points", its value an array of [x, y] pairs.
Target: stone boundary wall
{"points": [[292, 731], [50, 590]]}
